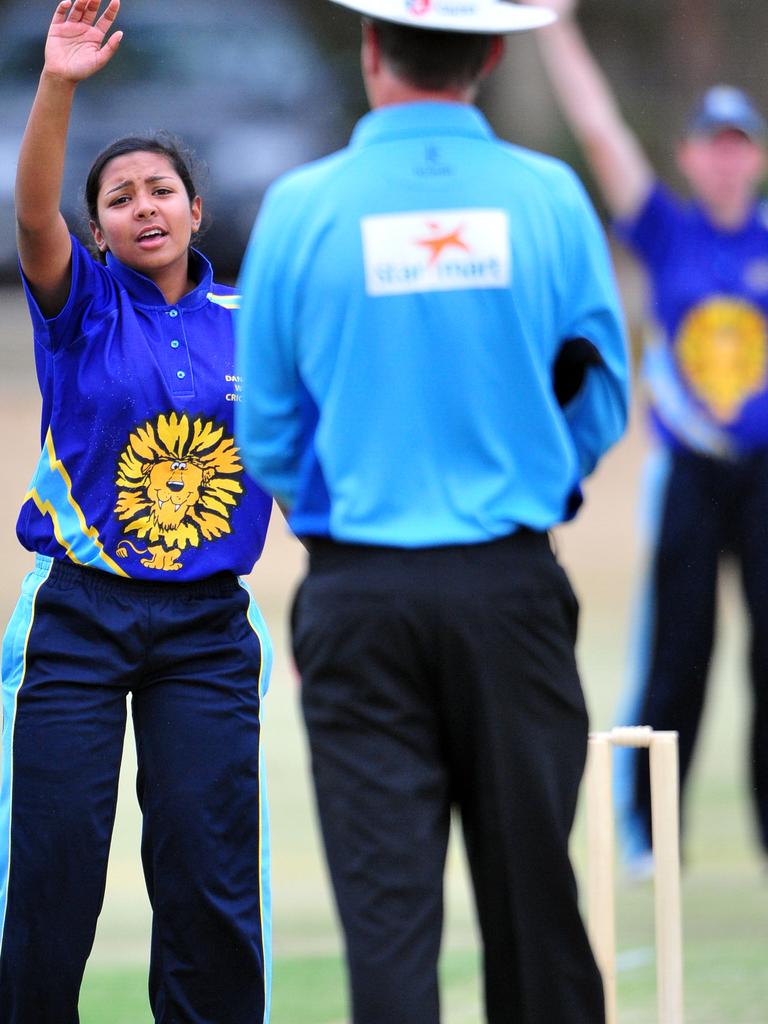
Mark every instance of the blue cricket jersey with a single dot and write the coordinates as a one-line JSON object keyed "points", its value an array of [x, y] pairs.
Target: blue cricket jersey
{"points": [[139, 474], [404, 304], [707, 365]]}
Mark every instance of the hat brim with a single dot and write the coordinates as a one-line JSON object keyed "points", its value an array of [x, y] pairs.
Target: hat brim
{"points": [[497, 19], [753, 130]]}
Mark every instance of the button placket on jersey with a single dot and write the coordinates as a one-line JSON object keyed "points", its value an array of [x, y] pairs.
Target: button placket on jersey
{"points": [[176, 358]]}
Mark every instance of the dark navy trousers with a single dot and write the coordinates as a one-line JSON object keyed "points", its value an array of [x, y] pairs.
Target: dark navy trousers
{"points": [[706, 510], [195, 659], [443, 678]]}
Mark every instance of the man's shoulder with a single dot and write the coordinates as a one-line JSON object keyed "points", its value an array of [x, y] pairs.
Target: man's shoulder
{"points": [[550, 171], [301, 181]]}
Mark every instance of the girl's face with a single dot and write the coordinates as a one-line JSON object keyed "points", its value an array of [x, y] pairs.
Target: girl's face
{"points": [[145, 217]]}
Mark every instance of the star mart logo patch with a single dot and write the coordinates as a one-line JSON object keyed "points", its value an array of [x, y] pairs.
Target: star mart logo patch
{"points": [[443, 250]]}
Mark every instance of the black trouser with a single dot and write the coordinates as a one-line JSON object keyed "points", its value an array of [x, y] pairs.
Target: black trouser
{"points": [[195, 658], [711, 508], [442, 677]]}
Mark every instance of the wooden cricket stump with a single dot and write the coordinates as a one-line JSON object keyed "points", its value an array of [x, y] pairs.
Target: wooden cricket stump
{"points": [[601, 911]]}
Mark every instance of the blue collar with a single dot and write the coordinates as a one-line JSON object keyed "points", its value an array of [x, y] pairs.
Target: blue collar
{"points": [[146, 293], [410, 120]]}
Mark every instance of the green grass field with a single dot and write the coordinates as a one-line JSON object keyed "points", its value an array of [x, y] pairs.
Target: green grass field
{"points": [[725, 883]]}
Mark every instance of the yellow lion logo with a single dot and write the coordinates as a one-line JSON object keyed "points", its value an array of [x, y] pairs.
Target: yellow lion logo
{"points": [[177, 482], [723, 352]]}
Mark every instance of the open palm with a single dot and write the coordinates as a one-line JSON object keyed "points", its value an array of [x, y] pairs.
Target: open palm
{"points": [[75, 47]]}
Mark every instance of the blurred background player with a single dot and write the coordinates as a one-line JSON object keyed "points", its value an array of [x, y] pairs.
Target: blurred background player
{"points": [[142, 518], [433, 360], [706, 371]]}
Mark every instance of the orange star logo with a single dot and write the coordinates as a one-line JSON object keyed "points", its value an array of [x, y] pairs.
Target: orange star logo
{"points": [[438, 243]]}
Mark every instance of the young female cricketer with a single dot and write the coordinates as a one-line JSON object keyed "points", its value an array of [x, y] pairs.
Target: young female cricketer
{"points": [[142, 520]]}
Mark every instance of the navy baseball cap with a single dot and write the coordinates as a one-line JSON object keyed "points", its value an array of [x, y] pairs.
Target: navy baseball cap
{"points": [[723, 107]]}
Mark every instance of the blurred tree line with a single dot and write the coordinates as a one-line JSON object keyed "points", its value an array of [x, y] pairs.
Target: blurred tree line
{"points": [[659, 56]]}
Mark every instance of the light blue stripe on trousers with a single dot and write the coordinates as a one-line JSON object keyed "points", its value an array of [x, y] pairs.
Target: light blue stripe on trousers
{"points": [[14, 662], [259, 627], [653, 496]]}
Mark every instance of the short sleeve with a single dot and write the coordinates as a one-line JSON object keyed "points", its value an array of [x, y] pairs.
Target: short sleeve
{"points": [[91, 295]]}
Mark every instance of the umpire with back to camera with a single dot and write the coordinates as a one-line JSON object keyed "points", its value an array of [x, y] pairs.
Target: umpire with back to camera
{"points": [[434, 359]]}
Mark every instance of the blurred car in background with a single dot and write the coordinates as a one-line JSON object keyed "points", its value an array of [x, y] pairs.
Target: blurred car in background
{"points": [[241, 82]]}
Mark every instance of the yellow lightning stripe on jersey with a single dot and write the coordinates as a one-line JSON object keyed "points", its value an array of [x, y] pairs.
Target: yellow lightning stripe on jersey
{"points": [[52, 494]]}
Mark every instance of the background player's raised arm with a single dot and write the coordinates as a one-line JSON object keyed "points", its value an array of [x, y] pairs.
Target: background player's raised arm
{"points": [[610, 146], [75, 49]]}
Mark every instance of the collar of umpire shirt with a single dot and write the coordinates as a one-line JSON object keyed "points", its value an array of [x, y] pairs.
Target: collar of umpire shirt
{"points": [[412, 120]]}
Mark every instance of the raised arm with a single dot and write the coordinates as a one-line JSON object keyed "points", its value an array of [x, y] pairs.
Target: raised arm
{"points": [[612, 150], [74, 50]]}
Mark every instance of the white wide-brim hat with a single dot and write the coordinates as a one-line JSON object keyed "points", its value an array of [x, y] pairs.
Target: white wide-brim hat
{"points": [[491, 17]]}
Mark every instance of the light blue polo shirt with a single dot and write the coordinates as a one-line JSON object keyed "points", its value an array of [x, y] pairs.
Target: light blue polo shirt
{"points": [[404, 302], [139, 473]]}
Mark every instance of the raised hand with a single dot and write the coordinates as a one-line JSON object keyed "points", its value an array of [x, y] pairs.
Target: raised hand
{"points": [[75, 47]]}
